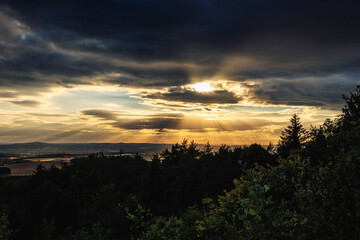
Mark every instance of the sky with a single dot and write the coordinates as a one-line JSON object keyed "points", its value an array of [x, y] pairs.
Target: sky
{"points": [[158, 71]]}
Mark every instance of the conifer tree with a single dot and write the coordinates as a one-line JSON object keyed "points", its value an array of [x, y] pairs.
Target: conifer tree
{"points": [[292, 138]]}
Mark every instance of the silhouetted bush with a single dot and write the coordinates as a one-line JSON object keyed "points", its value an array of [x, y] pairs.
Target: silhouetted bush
{"points": [[4, 170]]}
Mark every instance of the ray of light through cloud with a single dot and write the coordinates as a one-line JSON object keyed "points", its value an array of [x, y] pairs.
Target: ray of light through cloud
{"points": [[161, 71]]}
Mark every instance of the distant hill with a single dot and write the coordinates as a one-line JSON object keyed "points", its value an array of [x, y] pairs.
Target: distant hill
{"points": [[77, 148]]}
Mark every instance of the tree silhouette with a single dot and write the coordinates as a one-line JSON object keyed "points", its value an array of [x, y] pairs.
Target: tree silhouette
{"points": [[292, 138], [349, 124], [351, 111]]}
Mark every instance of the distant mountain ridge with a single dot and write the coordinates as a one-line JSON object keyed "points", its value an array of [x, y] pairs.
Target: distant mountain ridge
{"points": [[40, 147]]}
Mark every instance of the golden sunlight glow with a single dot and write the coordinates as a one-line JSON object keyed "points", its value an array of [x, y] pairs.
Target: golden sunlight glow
{"points": [[202, 87]]}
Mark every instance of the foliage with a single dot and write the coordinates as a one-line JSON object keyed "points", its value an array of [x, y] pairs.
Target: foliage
{"points": [[95, 232], [293, 200], [148, 227], [255, 154], [318, 145], [348, 136], [47, 229], [5, 232]]}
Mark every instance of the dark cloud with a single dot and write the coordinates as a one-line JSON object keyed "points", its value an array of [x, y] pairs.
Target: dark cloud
{"points": [[102, 114], [116, 115], [190, 96], [6, 94], [10, 28], [119, 120], [26, 103], [164, 14], [65, 43], [197, 124], [300, 92], [171, 29], [163, 121], [47, 64], [150, 77]]}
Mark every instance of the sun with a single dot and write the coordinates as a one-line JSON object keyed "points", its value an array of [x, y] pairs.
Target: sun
{"points": [[202, 87]]}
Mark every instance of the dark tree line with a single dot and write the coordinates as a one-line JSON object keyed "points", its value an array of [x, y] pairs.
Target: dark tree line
{"points": [[54, 203]]}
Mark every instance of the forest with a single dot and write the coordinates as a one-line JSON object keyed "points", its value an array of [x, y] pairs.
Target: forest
{"points": [[307, 186]]}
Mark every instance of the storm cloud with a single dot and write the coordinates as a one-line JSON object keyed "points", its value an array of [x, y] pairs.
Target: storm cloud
{"points": [[155, 44]]}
